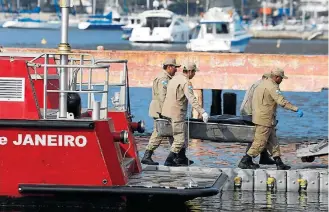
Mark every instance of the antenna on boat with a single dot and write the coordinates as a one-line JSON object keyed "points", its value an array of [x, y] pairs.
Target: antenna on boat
{"points": [[64, 49], [187, 12]]}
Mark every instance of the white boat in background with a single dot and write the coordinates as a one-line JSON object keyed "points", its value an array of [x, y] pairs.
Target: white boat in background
{"points": [[33, 20], [100, 22], [73, 23], [160, 26], [133, 21], [29, 23], [220, 30]]}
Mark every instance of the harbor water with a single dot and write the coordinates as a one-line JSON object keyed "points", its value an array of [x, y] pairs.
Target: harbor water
{"points": [[291, 128], [111, 40]]}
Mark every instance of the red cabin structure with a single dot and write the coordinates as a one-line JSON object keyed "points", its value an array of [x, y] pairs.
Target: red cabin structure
{"points": [[92, 150]]}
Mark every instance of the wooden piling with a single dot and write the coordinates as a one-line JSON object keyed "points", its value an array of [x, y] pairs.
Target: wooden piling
{"points": [[229, 103], [216, 102]]}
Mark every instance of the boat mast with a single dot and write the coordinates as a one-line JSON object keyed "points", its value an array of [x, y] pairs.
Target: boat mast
{"points": [[64, 48], [17, 5], [94, 7]]}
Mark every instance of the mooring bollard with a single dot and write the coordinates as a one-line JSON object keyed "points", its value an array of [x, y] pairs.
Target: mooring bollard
{"points": [[229, 103]]}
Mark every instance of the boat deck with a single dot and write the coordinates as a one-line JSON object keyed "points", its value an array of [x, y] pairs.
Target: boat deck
{"points": [[176, 177]]}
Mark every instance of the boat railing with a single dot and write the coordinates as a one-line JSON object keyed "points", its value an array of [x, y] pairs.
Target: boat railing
{"points": [[120, 100], [72, 69]]}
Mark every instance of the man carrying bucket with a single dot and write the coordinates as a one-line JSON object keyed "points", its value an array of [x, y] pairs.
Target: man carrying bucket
{"points": [[179, 93], [159, 91]]}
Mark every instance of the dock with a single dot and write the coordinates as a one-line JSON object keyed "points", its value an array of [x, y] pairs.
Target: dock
{"points": [[217, 70], [309, 178], [286, 34]]}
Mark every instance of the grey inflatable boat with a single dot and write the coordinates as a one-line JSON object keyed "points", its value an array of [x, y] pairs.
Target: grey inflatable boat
{"points": [[221, 128]]}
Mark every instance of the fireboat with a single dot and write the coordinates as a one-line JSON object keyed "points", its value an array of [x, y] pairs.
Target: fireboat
{"points": [[51, 145]]}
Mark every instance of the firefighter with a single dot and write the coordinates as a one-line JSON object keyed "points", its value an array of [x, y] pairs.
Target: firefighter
{"points": [[179, 93], [159, 91], [246, 113], [267, 96]]}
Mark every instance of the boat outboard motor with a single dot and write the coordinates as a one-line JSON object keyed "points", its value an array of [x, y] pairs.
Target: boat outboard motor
{"points": [[74, 104]]}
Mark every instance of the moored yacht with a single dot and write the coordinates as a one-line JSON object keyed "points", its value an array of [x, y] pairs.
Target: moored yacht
{"points": [[220, 30], [161, 26]]}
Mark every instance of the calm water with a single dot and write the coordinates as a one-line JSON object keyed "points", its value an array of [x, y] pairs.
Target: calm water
{"points": [[225, 201], [315, 105], [314, 124], [111, 40]]}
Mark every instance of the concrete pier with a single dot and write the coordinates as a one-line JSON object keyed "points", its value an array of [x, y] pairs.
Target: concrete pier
{"points": [[218, 71], [286, 34], [303, 177]]}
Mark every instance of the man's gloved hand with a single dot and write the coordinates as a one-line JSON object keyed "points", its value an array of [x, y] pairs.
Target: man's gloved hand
{"points": [[205, 117], [300, 113]]}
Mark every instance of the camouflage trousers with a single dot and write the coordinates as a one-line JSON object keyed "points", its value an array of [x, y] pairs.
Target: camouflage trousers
{"points": [[265, 137], [155, 140], [180, 136]]}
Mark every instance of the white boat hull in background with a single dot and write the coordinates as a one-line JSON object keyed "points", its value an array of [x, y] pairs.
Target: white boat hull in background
{"points": [[160, 26], [158, 35], [236, 45], [220, 30], [31, 25]]}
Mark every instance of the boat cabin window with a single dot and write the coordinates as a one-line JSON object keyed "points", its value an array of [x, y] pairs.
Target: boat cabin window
{"points": [[217, 28], [135, 21], [209, 28], [195, 32], [221, 28], [157, 22]]}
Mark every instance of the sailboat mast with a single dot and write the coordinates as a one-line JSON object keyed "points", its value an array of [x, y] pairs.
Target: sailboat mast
{"points": [[94, 7]]}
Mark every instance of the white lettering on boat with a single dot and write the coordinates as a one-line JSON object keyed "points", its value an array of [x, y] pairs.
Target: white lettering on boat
{"points": [[3, 140], [50, 140]]}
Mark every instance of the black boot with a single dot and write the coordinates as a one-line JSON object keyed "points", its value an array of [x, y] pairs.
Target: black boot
{"points": [[265, 158], [280, 165], [246, 163], [247, 149], [170, 161], [147, 158], [182, 160]]}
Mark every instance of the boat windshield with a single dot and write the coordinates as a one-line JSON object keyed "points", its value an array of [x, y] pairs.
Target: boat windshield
{"points": [[217, 28], [152, 22], [195, 32]]}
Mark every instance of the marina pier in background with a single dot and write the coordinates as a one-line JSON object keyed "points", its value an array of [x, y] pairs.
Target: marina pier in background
{"points": [[218, 71]]}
